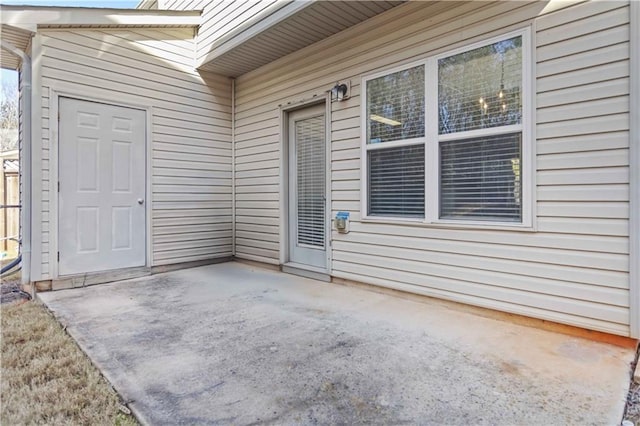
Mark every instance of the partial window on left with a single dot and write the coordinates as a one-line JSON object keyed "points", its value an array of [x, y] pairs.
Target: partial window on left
{"points": [[395, 143]]}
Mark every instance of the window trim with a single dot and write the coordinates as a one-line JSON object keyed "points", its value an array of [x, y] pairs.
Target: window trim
{"points": [[394, 144], [432, 139]]}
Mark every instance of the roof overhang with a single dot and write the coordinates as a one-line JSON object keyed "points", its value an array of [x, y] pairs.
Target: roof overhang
{"points": [[18, 23], [31, 18], [283, 28], [12, 38]]}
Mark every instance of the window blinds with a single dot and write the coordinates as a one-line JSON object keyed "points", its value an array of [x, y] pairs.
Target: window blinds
{"points": [[478, 108], [480, 178], [310, 164], [396, 181]]}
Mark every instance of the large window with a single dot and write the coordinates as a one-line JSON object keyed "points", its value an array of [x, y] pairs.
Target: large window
{"points": [[445, 139]]}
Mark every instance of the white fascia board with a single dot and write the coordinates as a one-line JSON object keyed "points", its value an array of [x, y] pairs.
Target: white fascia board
{"points": [[27, 17], [259, 23]]}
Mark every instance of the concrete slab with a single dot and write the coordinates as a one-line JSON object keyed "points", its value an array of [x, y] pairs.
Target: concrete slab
{"points": [[232, 343]]}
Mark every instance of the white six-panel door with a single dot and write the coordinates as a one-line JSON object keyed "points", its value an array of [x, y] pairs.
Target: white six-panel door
{"points": [[102, 183]]}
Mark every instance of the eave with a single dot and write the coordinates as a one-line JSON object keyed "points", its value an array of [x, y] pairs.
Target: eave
{"points": [[285, 28]]}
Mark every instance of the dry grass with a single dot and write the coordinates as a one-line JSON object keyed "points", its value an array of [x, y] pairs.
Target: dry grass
{"points": [[46, 378]]}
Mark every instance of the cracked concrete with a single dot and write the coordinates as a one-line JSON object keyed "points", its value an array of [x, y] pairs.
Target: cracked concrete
{"points": [[232, 343]]}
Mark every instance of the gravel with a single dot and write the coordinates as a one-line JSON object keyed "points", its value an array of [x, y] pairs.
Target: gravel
{"points": [[632, 411]]}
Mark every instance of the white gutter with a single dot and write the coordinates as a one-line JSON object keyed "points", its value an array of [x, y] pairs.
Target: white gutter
{"points": [[32, 17], [634, 172], [233, 167], [25, 162]]}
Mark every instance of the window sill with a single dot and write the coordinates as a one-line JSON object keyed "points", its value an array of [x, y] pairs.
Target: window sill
{"points": [[481, 226]]}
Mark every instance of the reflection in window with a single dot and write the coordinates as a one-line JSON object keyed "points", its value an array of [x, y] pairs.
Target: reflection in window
{"points": [[481, 88], [474, 161], [395, 106]]}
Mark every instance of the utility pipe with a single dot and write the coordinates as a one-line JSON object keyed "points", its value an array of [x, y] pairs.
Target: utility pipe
{"points": [[25, 161]]}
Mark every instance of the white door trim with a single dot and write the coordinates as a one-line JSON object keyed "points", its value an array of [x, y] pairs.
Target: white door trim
{"points": [[285, 110], [54, 157], [634, 171]]}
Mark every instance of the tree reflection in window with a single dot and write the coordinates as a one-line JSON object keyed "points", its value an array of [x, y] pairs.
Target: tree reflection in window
{"points": [[481, 88], [395, 106]]}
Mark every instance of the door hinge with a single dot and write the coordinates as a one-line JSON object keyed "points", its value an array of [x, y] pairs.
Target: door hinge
{"points": [[58, 256], [58, 186]]}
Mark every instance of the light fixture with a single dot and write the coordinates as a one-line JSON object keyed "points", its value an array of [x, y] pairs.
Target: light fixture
{"points": [[384, 120], [340, 92]]}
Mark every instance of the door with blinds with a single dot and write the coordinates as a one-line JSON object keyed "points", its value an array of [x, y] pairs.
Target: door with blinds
{"points": [[307, 187]]}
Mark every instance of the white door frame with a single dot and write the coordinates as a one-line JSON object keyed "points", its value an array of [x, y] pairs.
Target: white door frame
{"points": [[285, 110], [54, 158]]}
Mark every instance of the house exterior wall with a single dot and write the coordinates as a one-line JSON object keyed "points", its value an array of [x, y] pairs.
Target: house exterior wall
{"points": [[572, 266], [190, 132], [218, 17]]}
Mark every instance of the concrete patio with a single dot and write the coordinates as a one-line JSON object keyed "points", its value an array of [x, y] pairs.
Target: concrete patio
{"points": [[233, 343]]}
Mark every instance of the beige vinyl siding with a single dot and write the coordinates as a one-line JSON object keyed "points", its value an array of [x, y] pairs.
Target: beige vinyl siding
{"points": [[574, 267], [190, 125], [219, 18]]}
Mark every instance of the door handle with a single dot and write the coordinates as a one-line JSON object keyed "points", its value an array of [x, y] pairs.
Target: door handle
{"points": [[140, 201]]}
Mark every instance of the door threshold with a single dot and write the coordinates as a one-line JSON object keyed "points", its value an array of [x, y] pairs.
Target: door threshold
{"points": [[306, 271], [99, 277]]}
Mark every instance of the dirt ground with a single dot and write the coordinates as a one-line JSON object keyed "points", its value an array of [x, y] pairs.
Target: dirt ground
{"points": [[10, 290]]}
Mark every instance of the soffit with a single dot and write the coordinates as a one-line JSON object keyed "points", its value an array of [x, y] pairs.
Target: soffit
{"points": [[17, 38], [309, 23]]}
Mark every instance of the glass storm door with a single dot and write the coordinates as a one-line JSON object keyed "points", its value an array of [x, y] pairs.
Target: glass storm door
{"points": [[307, 187]]}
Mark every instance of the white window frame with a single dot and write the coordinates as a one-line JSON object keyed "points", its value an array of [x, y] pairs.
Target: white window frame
{"points": [[432, 139], [366, 147]]}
